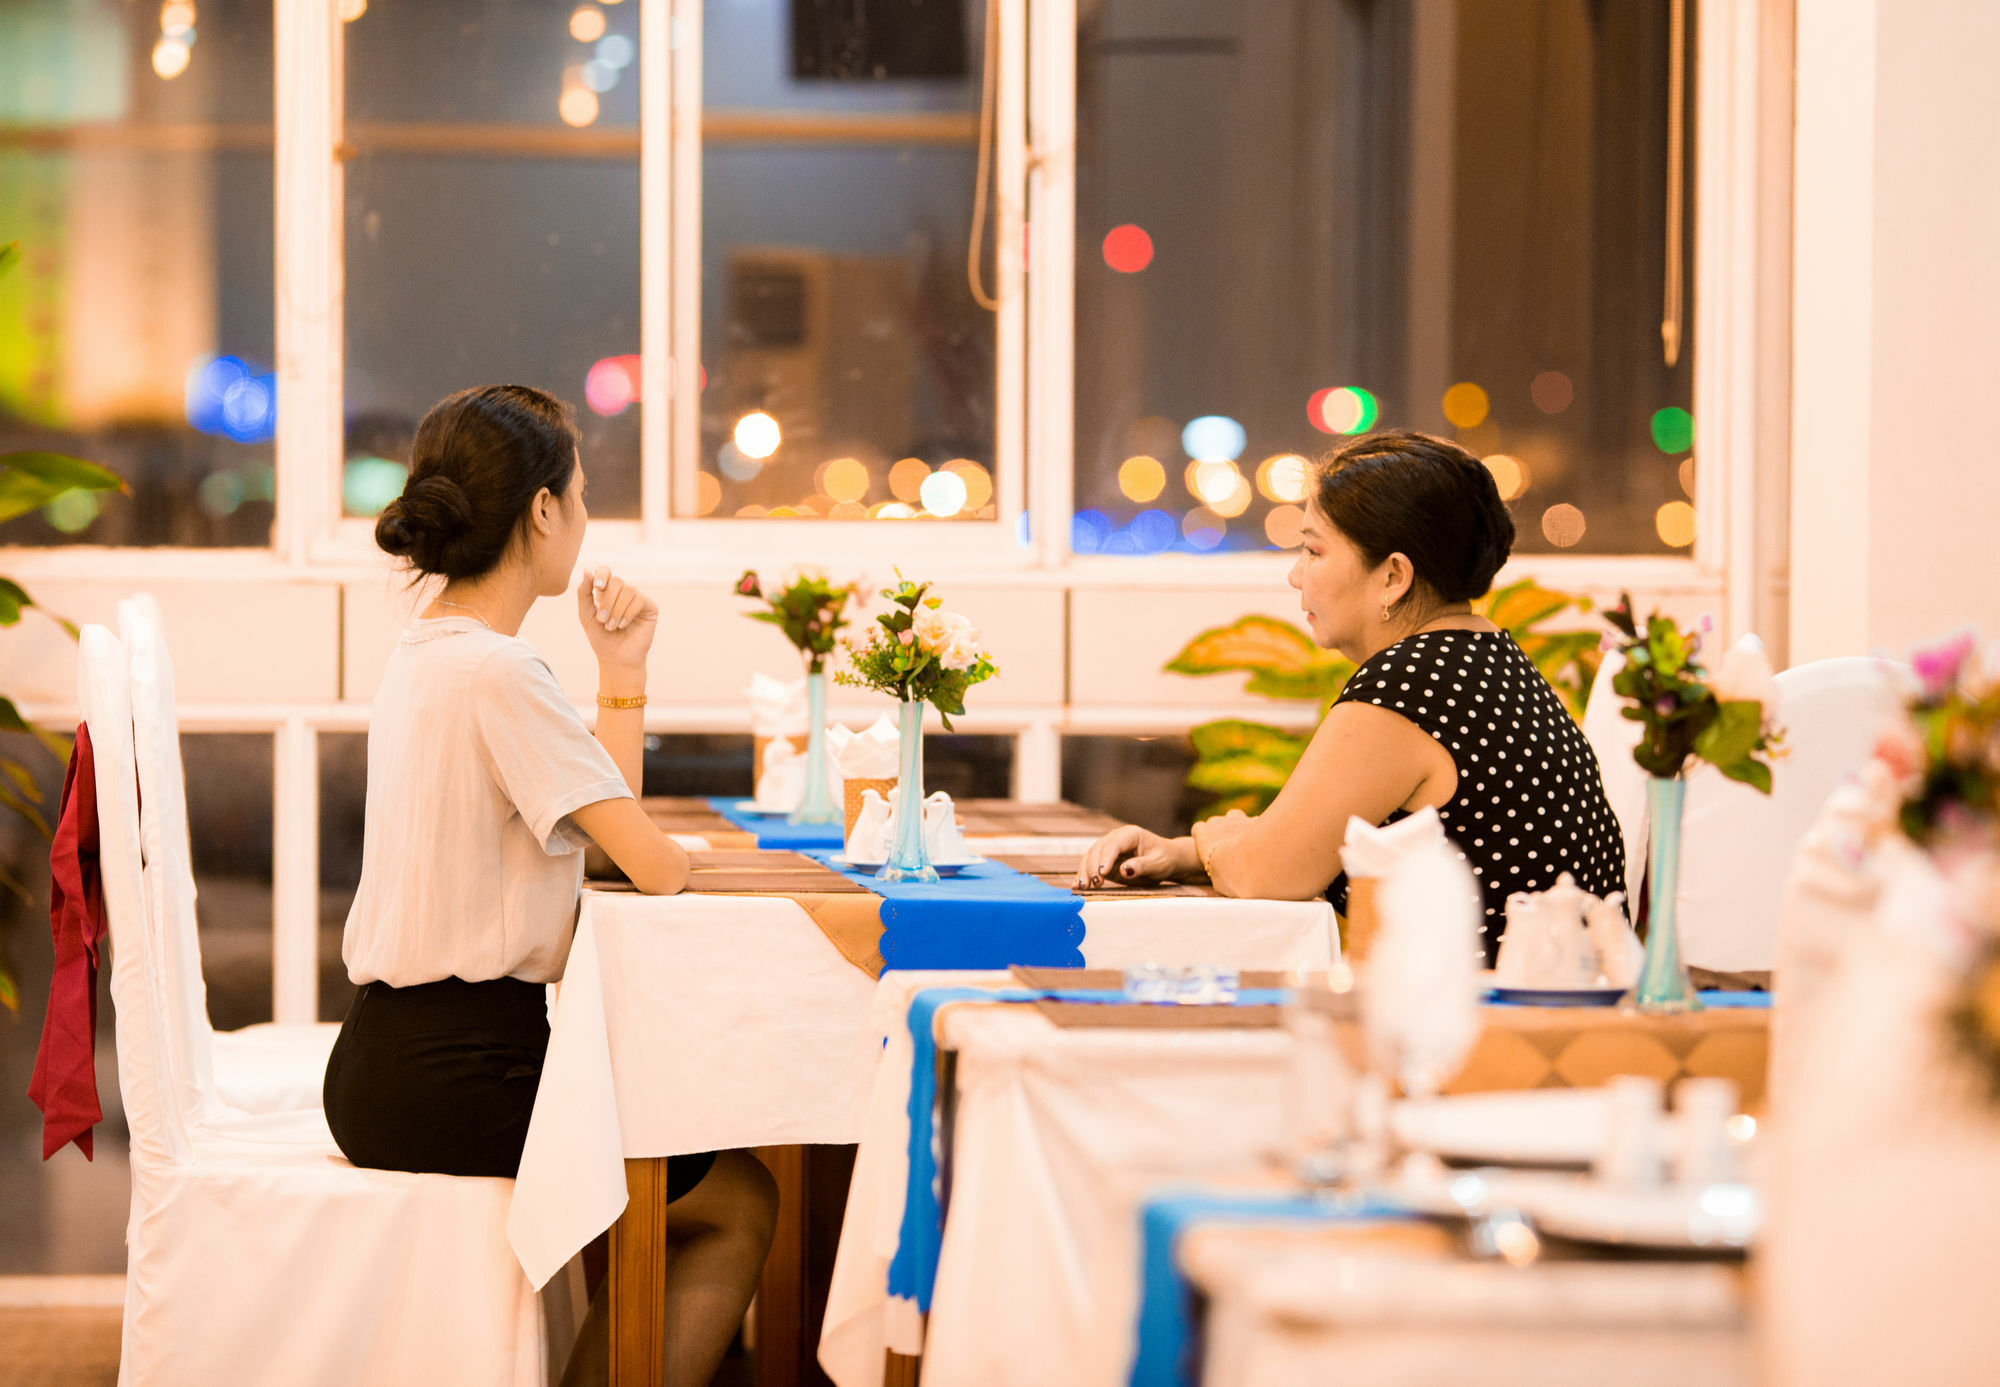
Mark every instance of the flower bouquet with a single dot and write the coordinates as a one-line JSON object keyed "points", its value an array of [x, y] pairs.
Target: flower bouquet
{"points": [[811, 610], [1728, 719], [918, 653]]}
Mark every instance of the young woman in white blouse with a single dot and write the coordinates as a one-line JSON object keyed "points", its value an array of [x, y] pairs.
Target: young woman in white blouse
{"points": [[483, 785]]}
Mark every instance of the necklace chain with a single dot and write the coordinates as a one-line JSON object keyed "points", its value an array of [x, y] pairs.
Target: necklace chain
{"points": [[444, 602]]}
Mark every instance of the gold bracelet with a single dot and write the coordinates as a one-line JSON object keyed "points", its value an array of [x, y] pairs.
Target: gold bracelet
{"points": [[605, 700]]}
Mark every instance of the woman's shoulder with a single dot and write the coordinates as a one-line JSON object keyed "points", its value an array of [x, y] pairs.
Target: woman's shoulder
{"points": [[1423, 659]]}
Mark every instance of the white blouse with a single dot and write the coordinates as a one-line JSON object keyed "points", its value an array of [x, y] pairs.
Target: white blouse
{"points": [[469, 868]]}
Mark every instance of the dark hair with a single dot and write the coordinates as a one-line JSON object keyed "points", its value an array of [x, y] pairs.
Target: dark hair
{"points": [[1398, 492], [479, 458]]}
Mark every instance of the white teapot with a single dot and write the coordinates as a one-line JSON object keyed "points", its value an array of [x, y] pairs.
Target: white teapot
{"points": [[1567, 937]]}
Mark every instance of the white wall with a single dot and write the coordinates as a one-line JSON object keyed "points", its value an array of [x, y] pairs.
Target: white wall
{"points": [[1896, 482]]}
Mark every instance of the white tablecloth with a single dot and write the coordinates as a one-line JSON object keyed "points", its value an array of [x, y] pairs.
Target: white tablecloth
{"points": [[1052, 1125], [702, 1023]]}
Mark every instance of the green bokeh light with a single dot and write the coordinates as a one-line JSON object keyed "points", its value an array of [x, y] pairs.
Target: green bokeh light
{"points": [[72, 511], [1673, 429], [367, 484]]}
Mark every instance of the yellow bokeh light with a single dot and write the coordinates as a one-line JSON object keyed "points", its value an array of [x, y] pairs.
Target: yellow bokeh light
{"points": [[1213, 482], [751, 512], [944, 493], [587, 24], [845, 479], [1466, 405], [906, 480], [894, 510], [1236, 500], [170, 58], [814, 505], [847, 510], [1509, 474], [176, 19], [978, 482], [757, 435], [578, 106], [1283, 524], [1283, 477], [1675, 522], [351, 10], [707, 493], [1141, 478], [782, 513], [1686, 471], [1562, 525]]}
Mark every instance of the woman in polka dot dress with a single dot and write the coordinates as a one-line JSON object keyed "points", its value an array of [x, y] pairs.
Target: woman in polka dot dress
{"points": [[1443, 711]]}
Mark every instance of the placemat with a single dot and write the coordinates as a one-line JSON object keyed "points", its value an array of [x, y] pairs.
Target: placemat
{"points": [[1059, 870], [765, 873]]}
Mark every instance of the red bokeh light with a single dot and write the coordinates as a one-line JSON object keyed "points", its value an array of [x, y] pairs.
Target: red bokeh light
{"points": [[1315, 405], [1128, 249]]}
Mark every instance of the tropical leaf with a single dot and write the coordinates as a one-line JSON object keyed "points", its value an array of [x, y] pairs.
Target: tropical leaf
{"points": [[29, 481], [13, 597], [1248, 803], [12, 721], [10, 254], [1227, 775], [1234, 737], [1255, 643], [10, 995], [22, 805], [1322, 683], [1522, 604]]}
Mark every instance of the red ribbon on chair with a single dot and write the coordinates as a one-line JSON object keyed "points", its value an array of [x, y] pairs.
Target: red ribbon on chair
{"points": [[65, 1083]]}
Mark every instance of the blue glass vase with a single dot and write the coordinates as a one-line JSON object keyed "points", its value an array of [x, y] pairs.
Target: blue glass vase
{"points": [[818, 806], [909, 860], [1663, 979]]}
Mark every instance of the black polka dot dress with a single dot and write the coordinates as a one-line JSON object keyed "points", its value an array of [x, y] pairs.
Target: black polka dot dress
{"points": [[1530, 802]]}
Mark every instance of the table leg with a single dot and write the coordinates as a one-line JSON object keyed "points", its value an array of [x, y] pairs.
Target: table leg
{"points": [[638, 1286], [791, 1297]]}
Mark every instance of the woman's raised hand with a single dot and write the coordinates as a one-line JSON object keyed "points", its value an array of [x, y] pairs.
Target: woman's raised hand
{"points": [[618, 618], [1135, 856]]}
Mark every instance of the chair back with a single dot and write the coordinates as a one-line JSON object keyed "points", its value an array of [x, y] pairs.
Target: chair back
{"points": [[163, 836], [1737, 845], [1612, 736], [145, 1072]]}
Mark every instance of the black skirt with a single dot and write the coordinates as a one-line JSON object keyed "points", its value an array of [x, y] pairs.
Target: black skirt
{"points": [[441, 1078]]}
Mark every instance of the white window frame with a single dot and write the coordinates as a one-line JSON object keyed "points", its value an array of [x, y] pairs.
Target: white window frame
{"points": [[1739, 292]]}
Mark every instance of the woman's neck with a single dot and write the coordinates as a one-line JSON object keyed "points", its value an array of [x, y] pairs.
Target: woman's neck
{"points": [[500, 599], [1457, 616]]}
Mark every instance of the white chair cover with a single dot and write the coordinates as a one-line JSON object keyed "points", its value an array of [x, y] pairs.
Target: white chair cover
{"points": [[263, 1068], [258, 1258], [1612, 737], [1737, 845]]}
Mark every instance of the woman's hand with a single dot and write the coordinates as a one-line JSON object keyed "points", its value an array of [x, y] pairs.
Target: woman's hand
{"points": [[618, 618], [1134, 856]]}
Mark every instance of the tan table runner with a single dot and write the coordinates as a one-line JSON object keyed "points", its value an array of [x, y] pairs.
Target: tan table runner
{"points": [[1059, 870]]}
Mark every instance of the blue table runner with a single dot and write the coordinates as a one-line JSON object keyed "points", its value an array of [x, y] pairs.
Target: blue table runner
{"points": [[773, 832], [987, 916]]}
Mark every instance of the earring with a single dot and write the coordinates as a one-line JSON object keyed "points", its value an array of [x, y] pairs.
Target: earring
{"points": [[1385, 611]]}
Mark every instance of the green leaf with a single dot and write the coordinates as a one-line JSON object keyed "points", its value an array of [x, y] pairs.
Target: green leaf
{"points": [[13, 597], [23, 778], [1753, 773], [30, 480], [21, 805], [1254, 643], [10, 995], [1233, 737], [12, 721], [1251, 802], [1522, 604], [1322, 683], [10, 255], [1731, 735], [1235, 774]]}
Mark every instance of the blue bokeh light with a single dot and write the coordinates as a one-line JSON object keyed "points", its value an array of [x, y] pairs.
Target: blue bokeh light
{"points": [[1214, 438], [1088, 529], [1153, 531], [227, 398]]}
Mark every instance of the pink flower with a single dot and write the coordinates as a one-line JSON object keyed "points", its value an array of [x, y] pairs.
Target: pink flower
{"points": [[1938, 666], [906, 637]]}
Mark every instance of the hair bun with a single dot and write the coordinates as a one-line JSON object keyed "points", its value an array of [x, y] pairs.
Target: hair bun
{"points": [[425, 522]]}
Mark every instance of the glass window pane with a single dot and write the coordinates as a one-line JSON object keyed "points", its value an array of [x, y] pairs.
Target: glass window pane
{"points": [[137, 329], [492, 226], [1136, 780], [846, 362], [229, 834], [1447, 216], [343, 802]]}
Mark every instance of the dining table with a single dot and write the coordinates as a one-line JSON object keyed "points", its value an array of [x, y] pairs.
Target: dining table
{"points": [[743, 1013]]}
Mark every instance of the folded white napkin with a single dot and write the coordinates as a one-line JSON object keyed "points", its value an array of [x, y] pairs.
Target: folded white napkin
{"points": [[1420, 994], [781, 781], [777, 706], [866, 755], [1373, 851], [875, 828]]}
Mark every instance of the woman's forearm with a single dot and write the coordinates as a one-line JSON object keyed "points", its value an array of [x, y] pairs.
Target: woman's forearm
{"points": [[622, 731]]}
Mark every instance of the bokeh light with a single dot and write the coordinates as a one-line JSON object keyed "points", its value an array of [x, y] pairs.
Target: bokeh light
{"points": [[1675, 523], [224, 397], [978, 482], [1562, 525], [1088, 529], [1686, 474], [586, 24], [177, 19], [1466, 405], [1283, 477], [1673, 429], [731, 462], [845, 479], [351, 10], [1283, 525], [895, 510], [943, 493], [1348, 409], [753, 511], [1509, 474], [170, 60], [757, 435], [906, 480], [847, 510], [368, 483], [1213, 438], [577, 106], [1236, 500], [1203, 528], [1141, 478], [1213, 481], [599, 76], [1152, 531], [1552, 392], [615, 50], [707, 493], [72, 511], [1128, 249], [612, 384]]}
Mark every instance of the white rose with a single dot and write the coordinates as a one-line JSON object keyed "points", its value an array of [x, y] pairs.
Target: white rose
{"points": [[959, 655], [933, 629], [1745, 677]]}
